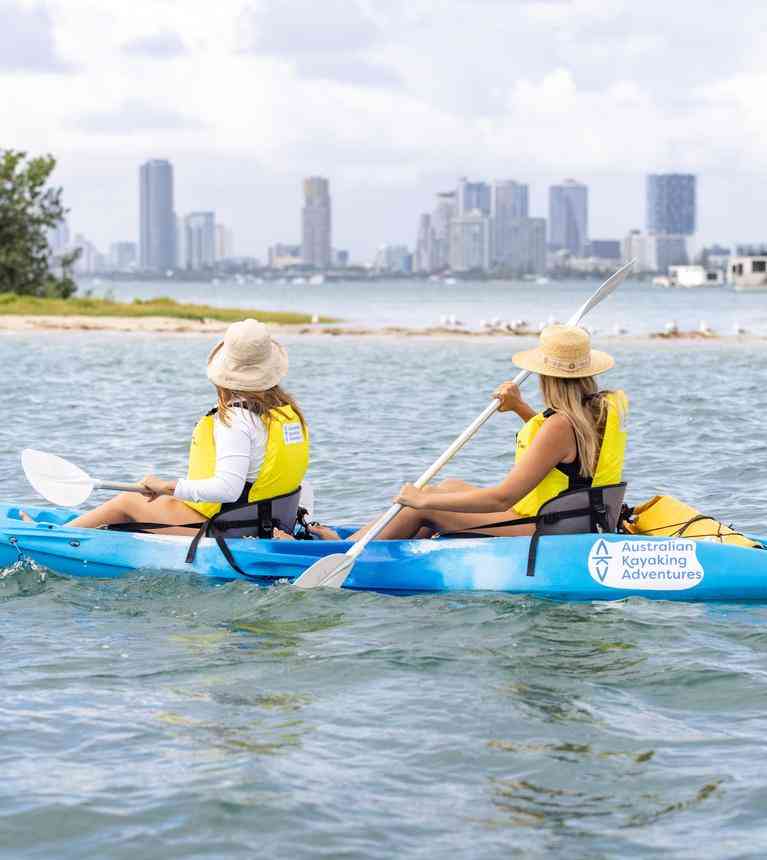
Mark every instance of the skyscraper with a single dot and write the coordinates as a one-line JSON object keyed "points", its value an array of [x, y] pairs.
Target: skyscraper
{"points": [[316, 223], [443, 214], [470, 242], [200, 244], [569, 216], [508, 203], [527, 246], [157, 228], [423, 258], [473, 196], [671, 204]]}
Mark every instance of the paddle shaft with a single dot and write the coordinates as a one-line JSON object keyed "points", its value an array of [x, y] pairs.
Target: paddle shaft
{"points": [[116, 485], [381, 523], [435, 467]]}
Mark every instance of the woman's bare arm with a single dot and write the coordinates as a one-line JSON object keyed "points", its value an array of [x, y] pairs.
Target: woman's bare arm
{"points": [[553, 444]]}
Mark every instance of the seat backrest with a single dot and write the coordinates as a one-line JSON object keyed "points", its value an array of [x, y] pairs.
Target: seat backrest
{"points": [[609, 495], [284, 510]]}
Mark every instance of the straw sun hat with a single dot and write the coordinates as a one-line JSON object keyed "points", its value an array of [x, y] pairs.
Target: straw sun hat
{"points": [[247, 359], [564, 351]]}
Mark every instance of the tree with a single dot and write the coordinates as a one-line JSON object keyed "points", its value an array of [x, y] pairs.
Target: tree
{"points": [[28, 210]]}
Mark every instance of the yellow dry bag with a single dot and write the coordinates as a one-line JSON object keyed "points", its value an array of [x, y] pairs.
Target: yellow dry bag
{"points": [[665, 516]]}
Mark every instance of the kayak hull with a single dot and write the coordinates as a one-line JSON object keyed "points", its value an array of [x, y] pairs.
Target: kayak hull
{"points": [[568, 567]]}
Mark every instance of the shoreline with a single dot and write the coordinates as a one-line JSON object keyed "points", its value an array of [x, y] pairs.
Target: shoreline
{"points": [[32, 323]]}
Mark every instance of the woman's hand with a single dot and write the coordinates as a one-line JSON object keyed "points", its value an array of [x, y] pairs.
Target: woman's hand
{"points": [[511, 398], [155, 487], [411, 497]]}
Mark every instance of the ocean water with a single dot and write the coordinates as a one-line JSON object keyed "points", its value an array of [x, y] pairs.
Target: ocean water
{"points": [[160, 717]]}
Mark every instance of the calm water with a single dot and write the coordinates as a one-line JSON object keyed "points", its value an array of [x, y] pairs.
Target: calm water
{"points": [[424, 303], [157, 717]]}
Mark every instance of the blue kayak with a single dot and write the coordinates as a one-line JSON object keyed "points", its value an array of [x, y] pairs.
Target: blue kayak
{"points": [[568, 567]]}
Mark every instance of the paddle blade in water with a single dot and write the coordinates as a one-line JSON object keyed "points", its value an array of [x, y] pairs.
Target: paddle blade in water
{"points": [[330, 572], [56, 479]]}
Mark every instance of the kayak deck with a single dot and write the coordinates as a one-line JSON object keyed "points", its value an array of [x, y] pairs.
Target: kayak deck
{"points": [[568, 567]]}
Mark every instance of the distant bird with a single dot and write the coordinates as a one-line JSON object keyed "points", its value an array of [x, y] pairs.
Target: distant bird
{"points": [[703, 328], [671, 327], [618, 329], [315, 318], [738, 328]]}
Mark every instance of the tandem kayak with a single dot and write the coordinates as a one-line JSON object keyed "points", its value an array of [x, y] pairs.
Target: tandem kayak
{"points": [[568, 567]]}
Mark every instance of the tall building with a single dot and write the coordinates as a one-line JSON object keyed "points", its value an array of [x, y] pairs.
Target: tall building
{"points": [[316, 223], [471, 196], [526, 239], [443, 214], [569, 216], [470, 242], [224, 242], [424, 257], [157, 228], [508, 202], [200, 244], [671, 204], [668, 250], [637, 246]]}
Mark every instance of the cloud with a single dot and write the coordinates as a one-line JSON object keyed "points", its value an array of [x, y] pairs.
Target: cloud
{"points": [[28, 41], [347, 70], [136, 116], [165, 45], [306, 26]]}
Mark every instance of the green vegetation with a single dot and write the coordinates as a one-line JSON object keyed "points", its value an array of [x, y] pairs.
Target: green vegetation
{"points": [[11, 303], [28, 210]]}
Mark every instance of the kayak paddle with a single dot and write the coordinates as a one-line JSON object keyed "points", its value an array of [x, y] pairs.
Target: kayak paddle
{"points": [[332, 570], [63, 483]]}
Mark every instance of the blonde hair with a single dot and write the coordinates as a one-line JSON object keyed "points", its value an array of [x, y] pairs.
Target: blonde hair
{"points": [[259, 403], [586, 409]]}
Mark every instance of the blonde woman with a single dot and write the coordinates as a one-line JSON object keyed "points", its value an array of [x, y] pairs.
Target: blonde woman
{"points": [[253, 447], [579, 441]]}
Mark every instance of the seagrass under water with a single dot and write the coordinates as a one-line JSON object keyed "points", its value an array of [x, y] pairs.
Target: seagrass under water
{"points": [[161, 717]]}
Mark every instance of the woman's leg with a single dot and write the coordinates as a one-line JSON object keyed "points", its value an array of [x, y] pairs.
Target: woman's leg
{"points": [[133, 507]]}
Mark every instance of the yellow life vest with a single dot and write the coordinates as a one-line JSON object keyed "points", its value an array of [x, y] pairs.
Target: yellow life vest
{"points": [[286, 457], [665, 516], [609, 466]]}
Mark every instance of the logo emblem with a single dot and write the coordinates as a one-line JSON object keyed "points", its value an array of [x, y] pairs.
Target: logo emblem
{"points": [[647, 564]]}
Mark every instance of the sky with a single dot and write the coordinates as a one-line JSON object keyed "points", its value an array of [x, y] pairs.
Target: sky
{"points": [[392, 100]]}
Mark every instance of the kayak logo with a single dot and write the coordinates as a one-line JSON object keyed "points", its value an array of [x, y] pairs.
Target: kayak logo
{"points": [[670, 564]]}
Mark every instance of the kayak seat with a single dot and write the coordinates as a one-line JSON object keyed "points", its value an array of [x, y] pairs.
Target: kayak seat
{"points": [[253, 519], [584, 510]]}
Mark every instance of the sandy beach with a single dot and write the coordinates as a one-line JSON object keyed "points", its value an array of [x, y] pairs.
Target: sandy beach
{"points": [[173, 325]]}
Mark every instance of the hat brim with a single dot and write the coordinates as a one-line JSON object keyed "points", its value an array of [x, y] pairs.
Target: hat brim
{"points": [[534, 360], [261, 377]]}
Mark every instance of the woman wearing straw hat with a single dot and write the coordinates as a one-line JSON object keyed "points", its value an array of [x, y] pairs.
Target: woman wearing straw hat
{"points": [[254, 446], [579, 441]]}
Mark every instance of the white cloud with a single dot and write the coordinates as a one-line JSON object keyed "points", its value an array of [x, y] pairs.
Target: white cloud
{"points": [[27, 40], [164, 45]]}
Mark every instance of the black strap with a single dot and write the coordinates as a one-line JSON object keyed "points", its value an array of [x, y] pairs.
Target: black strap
{"points": [[149, 527]]}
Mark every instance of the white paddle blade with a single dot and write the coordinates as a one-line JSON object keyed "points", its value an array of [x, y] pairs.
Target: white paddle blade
{"points": [[609, 286], [330, 572], [306, 499], [56, 479]]}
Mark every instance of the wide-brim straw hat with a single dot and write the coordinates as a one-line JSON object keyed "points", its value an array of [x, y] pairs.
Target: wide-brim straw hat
{"points": [[564, 351], [247, 359]]}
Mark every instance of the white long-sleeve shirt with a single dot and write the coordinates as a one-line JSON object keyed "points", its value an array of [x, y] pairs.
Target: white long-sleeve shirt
{"points": [[240, 449]]}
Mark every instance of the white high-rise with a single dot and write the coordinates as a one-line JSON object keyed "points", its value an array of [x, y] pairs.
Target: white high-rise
{"points": [[200, 236]]}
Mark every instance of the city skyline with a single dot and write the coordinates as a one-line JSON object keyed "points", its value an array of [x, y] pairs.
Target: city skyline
{"points": [[370, 96]]}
